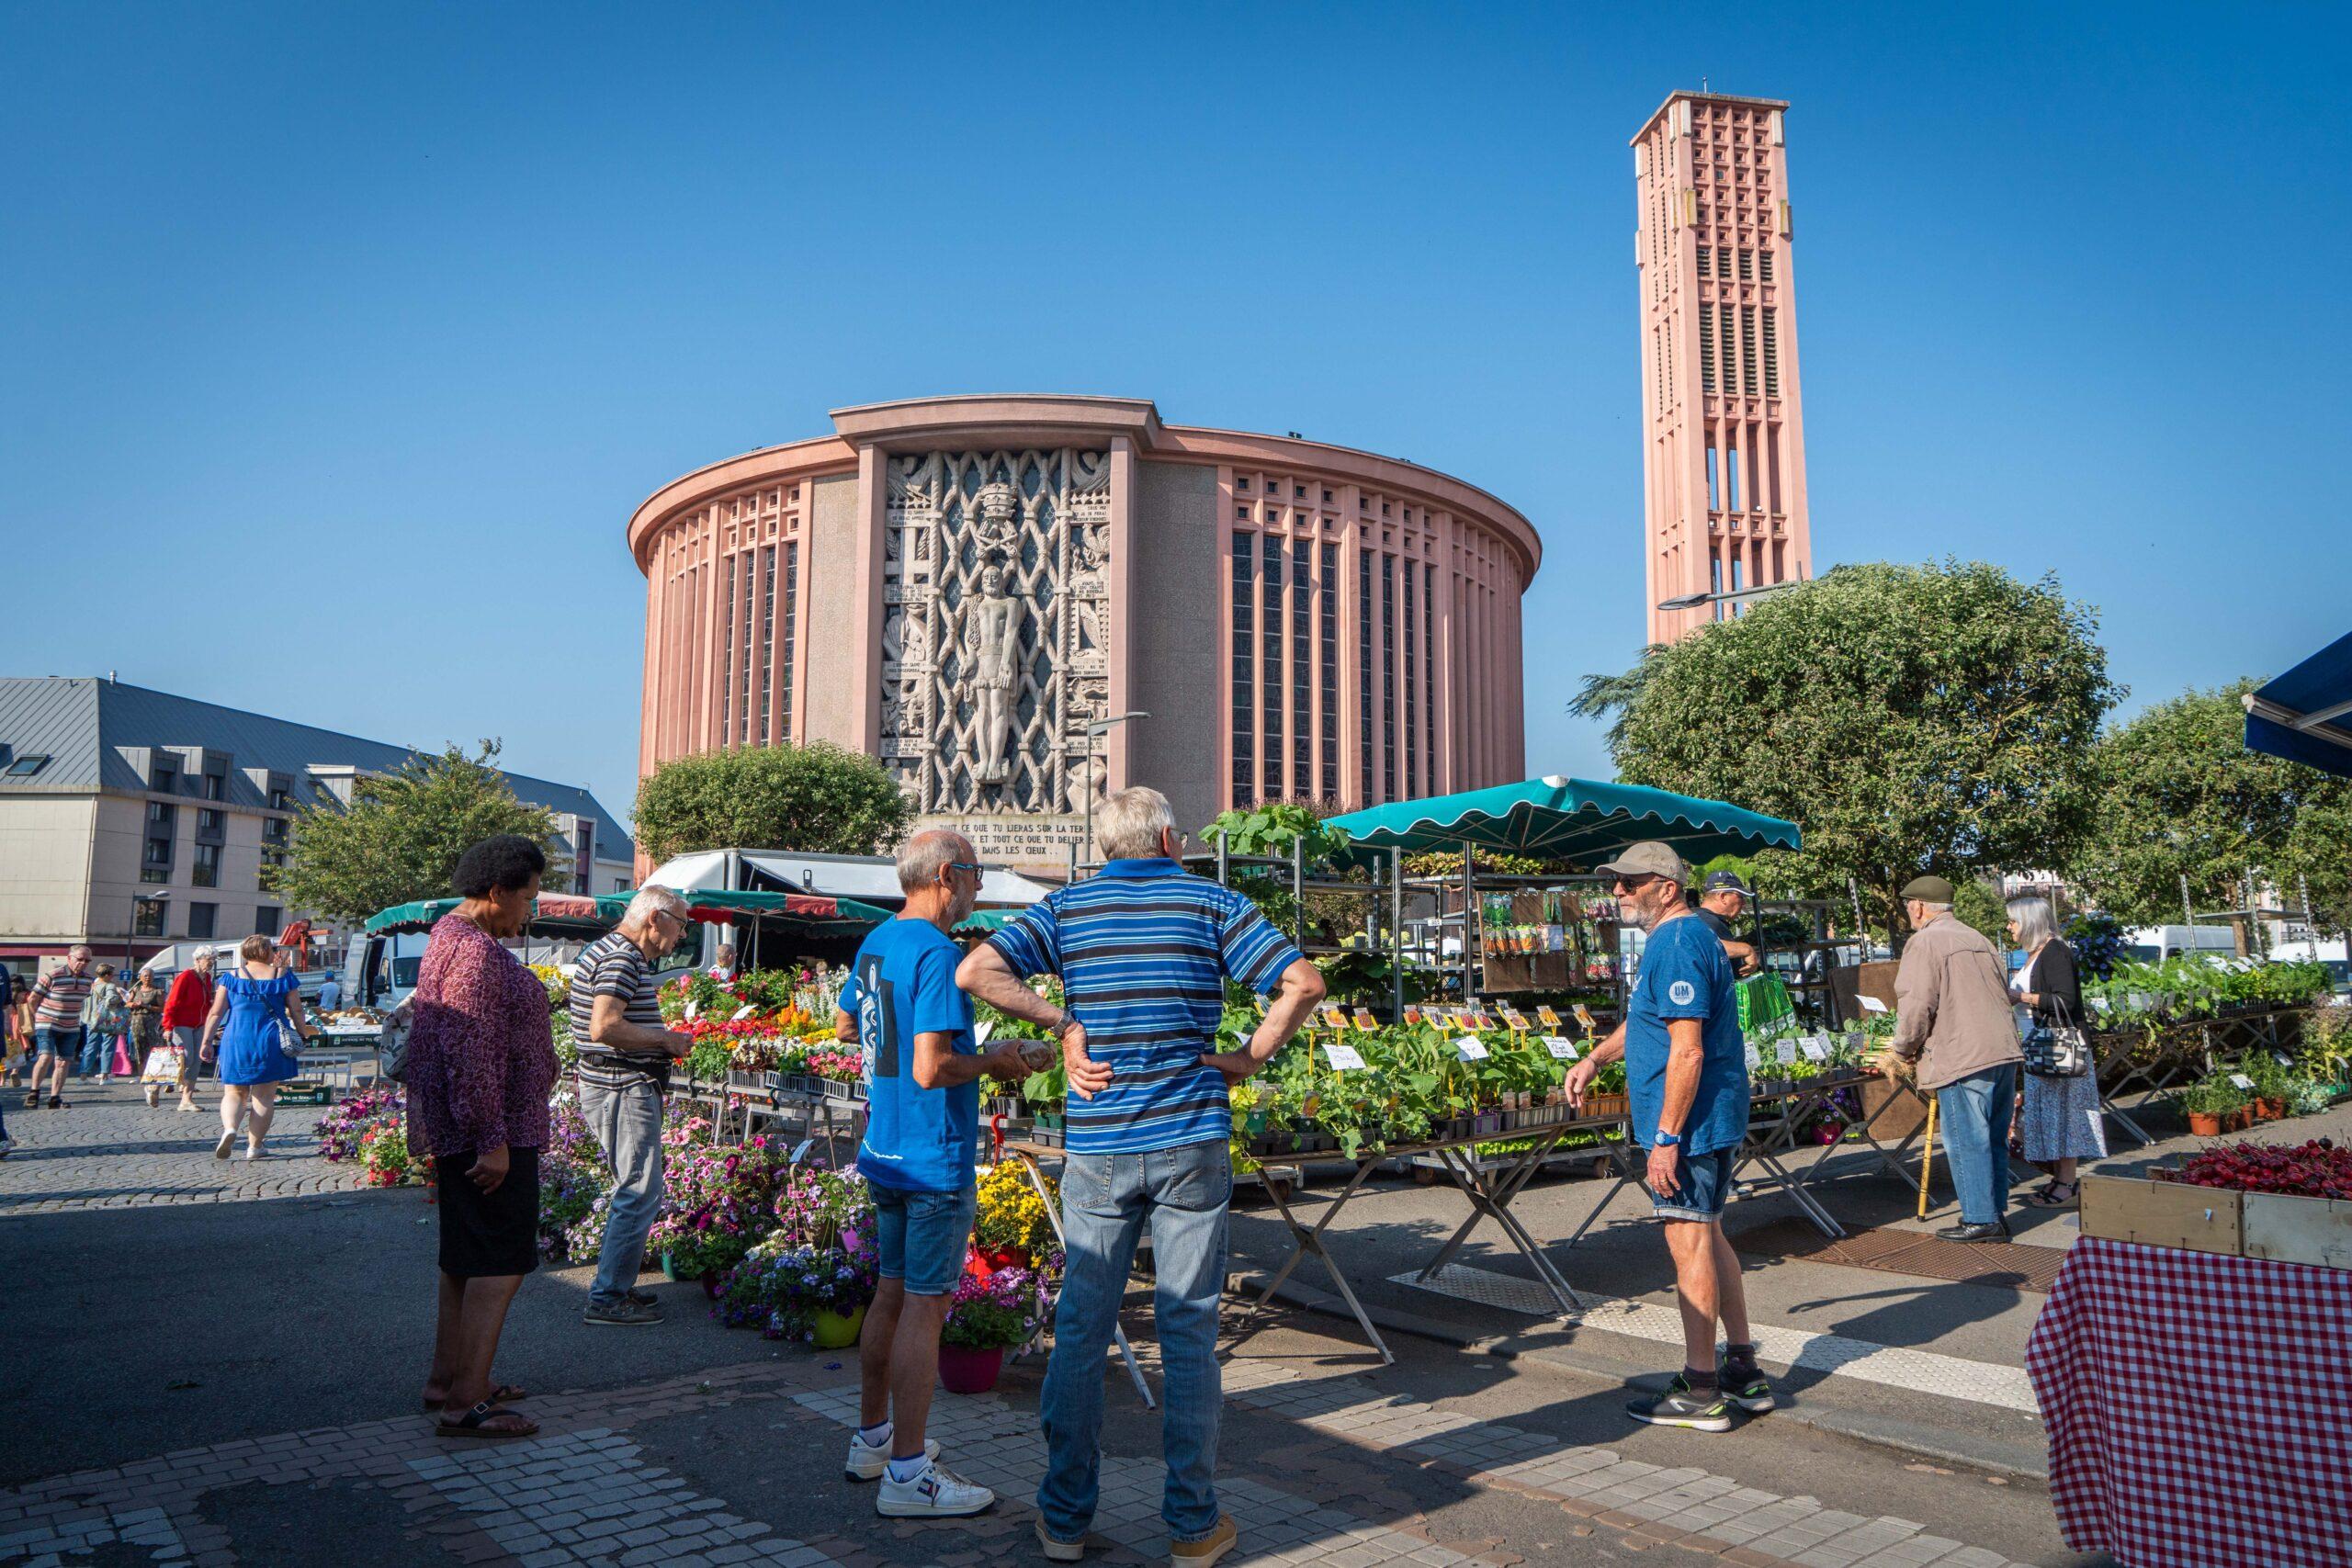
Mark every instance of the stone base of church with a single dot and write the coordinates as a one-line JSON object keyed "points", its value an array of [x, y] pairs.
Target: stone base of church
{"points": [[1035, 843]]}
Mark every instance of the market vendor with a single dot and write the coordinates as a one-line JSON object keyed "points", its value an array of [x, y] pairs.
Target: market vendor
{"points": [[1685, 1075], [1720, 904]]}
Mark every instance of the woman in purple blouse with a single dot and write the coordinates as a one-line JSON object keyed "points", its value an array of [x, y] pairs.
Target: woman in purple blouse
{"points": [[481, 1063]]}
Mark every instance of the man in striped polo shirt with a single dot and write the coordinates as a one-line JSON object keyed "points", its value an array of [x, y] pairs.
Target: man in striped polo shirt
{"points": [[52, 1018], [1143, 952]]}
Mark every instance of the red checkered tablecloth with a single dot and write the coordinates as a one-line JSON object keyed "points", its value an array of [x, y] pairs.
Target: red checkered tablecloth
{"points": [[2199, 1408]]}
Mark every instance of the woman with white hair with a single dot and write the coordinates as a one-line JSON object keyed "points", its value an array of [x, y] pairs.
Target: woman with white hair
{"points": [[2061, 1119]]}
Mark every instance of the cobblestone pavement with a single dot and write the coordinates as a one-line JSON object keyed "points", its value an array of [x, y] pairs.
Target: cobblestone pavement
{"points": [[1342, 1491], [105, 1150]]}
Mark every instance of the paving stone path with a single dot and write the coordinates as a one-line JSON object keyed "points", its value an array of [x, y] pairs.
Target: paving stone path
{"points": [[105, 1150]]}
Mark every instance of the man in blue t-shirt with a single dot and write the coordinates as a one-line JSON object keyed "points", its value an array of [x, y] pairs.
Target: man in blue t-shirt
{"points": [[1686, 1077], [901, 1008]]}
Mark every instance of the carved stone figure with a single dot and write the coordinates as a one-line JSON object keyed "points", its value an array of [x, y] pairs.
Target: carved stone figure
{"points": [[1000, 515], [996, 636]]}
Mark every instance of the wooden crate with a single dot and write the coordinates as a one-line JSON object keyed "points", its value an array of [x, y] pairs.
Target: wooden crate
{"points": [[2163, 1213], [2287, 1229]]}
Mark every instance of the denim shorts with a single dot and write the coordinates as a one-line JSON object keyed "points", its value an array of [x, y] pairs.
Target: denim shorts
{"points": [[923, 1237], [63, 1044], [1705, 1187]]}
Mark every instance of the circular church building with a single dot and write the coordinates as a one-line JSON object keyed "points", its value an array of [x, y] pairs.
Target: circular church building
{"points": [[967, 587]]}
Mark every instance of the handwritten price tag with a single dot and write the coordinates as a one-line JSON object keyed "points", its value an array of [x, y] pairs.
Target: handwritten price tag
{"points": [[1786, 1050], [1814, 1049], [1562, 1048], [1472, 1048], [1871, 1004], [1754, 1060], [1342, 1057]]}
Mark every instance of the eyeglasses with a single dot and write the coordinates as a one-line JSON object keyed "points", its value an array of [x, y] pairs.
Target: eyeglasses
{"points": [[971, 865], [1633, 884]]}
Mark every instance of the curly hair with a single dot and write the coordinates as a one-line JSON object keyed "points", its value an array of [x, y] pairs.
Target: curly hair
{"points": [[505, 860]]}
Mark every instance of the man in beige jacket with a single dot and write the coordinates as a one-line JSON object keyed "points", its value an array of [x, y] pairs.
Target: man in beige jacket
{"points": [[1953, 1019]]}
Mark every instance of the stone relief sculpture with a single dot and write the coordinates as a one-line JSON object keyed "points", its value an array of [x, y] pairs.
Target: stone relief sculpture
{"points": [[996, 615]]}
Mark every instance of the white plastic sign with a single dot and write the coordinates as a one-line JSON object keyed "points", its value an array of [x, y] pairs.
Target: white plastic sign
{"points": [[740, 1014], [1786, 1050], [692, 1010], [1562, 1048], [1814, 1049], [2102, 1004], [1754, 1061], [2241, 1080], [982, 1030], [1871, 1004], [1342, 1057], [1472, 1048]]}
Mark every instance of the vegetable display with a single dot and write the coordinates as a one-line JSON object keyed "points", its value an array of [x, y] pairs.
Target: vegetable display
{"points": [[2313, 1169]]}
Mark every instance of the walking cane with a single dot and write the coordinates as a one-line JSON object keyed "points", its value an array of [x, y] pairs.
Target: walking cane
{"points": [[1927, 1158]]}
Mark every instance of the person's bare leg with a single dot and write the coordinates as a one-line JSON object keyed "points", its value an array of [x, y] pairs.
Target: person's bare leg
{"points": [[263, 1107], [447, 1307], [55, 1074], [1731, 1291], [232, 1107], [914, 1371], [2063, 1172], [873, 1353], [482, 1318], [1693, 1244]]}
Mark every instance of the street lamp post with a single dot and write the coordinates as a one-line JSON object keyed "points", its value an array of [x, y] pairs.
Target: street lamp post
{"points": [[1095, 732], [1736, 596]]}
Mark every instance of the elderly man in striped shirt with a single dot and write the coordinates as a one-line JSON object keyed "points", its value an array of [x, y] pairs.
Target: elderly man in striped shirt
{"points": [[1143, 952]]}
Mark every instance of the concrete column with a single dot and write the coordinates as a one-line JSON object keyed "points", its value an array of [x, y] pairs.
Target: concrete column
{"points": [[1121, 572], [863, 630]]}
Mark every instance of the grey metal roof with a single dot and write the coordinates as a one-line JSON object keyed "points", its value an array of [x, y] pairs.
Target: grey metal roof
{"points": [[81, 723]]}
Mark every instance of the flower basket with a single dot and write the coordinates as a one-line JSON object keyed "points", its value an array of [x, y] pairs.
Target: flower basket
{"points": [[962, 1370], [837, 1330], [670, 1270], [2205, 1123]]}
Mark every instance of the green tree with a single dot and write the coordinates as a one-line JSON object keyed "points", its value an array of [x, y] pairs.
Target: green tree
{"points": [[819, 798], [1978, 903], [1601, 696], [1909, 718], [1272, 828], [2181, 796], [400, 838]]}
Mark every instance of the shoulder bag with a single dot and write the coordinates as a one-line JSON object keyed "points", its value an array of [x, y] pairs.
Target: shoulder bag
{"points": [[2060, 1050]]}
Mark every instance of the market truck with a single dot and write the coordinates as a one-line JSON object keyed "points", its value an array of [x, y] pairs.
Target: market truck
{"points": [[380, 970]]}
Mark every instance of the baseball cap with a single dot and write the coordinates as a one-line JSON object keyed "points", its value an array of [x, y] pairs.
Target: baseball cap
{"points": [[1928, 890], [1649, 858], [1718, 880]]}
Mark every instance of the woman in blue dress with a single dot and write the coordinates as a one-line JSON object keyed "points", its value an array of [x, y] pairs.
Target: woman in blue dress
{"points": [[250, 1009]]}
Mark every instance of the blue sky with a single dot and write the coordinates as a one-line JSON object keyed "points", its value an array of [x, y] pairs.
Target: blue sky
{"points": [[337, 342]]}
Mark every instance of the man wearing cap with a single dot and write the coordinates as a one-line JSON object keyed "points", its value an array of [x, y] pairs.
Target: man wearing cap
{"points": [[1953, 1019], [1686, 1075], [1719, 905]]}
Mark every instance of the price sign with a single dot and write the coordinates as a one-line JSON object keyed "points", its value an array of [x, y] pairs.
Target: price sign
{"points": [[1472, 1048], [982, 1030], [1513, 1018], [1586, 1019], [1366, 1022], [2102, 1004], [693, 1010], [1342, 1057], [2241, 1080], [1476, 1020], [1871, 1004], [1547, 1018], [1814, 1048], [740, 1013], [1412, 1015], [1786, 1050], [1754, 1061], [1562, 1048]]}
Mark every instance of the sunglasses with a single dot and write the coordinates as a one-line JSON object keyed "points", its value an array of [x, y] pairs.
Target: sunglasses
{"points": [[1634, 883]]}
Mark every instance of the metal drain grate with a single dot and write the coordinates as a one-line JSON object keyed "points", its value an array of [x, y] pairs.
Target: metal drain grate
{"points": [[1485, 1287]]}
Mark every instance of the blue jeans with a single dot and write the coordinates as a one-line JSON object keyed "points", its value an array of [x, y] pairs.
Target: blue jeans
{"points": [[98, 1053], [49, 1040], [627, 1125], [1974, 1113], [1106, 1199], [922, 1238]]}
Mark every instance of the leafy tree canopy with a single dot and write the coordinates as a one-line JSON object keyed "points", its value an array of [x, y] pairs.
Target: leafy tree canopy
{"points": [[1978, 903], [2180, 796], [1910, 718], [400, 838], [819, 798]]}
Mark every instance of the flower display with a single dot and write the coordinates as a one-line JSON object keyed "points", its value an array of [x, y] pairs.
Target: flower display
{"points": [[1012, 1218], [779, 1287], [345, 1125], [575, 1186], [1001, 1312], [384, 1151], [843, 1066], [719, 1200]]}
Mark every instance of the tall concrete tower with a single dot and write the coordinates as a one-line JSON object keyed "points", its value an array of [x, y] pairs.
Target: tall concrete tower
{"points": [[1723, 448]]}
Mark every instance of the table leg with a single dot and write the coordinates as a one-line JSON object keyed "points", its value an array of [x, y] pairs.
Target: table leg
{"points": [[1615, 1150], [1493, 1202], [1305, 1241]]}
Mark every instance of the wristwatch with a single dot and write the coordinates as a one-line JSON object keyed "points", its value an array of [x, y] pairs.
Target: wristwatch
{"points": [[1667, 1139]]}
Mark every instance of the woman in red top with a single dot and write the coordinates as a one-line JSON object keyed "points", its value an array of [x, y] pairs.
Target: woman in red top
{"points": [[184, 1012]]}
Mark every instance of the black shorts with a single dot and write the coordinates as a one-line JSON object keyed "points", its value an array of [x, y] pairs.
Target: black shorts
{"points": [[489, 1233]]}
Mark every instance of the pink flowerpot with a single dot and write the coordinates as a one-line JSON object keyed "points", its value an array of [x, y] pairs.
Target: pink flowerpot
{"points": [[967, 1371]]}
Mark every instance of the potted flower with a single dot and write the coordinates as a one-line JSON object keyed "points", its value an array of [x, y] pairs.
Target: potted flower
{"points": [[985, 1319], [820, 1295], [1013, 1228], [2210, 1104]]}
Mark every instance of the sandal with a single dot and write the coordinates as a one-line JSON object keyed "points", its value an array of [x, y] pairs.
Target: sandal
{"points": [[476, 1423], [2046, 1196], [504, 1393]]}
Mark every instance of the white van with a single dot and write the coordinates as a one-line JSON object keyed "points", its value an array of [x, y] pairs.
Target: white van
{"points": [[2150, 944]]}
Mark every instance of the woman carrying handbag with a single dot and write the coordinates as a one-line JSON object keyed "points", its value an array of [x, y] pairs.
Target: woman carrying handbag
{"points": [[257, 1020], [2059, 1113]]}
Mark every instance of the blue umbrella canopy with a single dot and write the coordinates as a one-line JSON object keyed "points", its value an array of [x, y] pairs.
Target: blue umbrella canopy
{"points": [[2305, 716], [1563, 818]]}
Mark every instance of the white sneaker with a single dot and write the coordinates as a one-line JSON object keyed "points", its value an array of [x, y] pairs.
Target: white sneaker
{"points": [[937, 1493], [228, 1141], [867, 1462]]}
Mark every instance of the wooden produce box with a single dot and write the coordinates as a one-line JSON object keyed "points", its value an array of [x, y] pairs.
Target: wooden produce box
{"points": [[1526, 971], [2277, 1226]]}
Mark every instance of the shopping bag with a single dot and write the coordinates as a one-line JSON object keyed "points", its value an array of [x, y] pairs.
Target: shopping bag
{"points": [[162, 1065]]}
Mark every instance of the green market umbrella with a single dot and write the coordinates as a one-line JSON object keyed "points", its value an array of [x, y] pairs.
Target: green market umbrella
{"points": [[570, 913], [1564, 818]]}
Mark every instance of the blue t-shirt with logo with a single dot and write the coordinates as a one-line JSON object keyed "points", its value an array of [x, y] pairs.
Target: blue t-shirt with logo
{"points": [[902, 985], [1685, 974]]}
